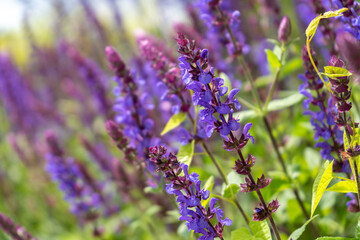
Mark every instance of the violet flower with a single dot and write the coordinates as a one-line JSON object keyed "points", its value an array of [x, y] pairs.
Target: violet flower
{"points": [[189, 194], [352, 205], [350, 18], [131, 107], [14, 230], [17, 98], [167, 72], [81, 191], [197, 77], [93, 76], [210, 94], [218, 18], [328, 135]]}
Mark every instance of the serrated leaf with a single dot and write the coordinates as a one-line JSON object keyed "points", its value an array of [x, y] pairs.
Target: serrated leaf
{"points": [[343, 187], [186, 153], [260, 230], [311, 29], [174, 122], [241, 234], [321, 182], [298, 232], [208, 186], [231, 190], [272, 59], [334, 72], [286, 102]]}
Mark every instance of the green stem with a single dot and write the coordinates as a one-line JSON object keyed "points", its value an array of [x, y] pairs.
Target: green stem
{"points": [[246, 103], [221, 172], [217, 165], [355, 173], [276, 80], [250, 79]]}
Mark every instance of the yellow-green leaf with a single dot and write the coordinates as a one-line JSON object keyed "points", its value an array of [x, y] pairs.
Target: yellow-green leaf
{"points": [[298, 232], [320, 184], [344, 187], [311, 29], [174, 122], [334, 72], [272, 59], [242, 233], [186, 153], [260, 230], [230, 190]]}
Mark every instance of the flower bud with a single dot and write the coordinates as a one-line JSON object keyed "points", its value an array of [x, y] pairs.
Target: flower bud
{"points": [[284, 30], [114, 59]]}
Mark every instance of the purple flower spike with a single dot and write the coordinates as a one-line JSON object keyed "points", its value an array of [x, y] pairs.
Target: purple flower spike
{"points": [[189, 194], [327, 134], [15, 231]]}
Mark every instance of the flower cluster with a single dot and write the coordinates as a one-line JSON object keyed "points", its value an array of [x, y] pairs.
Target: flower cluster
{"points": [[131, 106], [167, 72], [17, 97], [341, 94], [322, 117], [122, 143], [350, 18], [221, 21], [17, 232], [352, 205], [261, 213], [326, 26], [208, 93], [187, 188], [93, 76], [81, 191]]}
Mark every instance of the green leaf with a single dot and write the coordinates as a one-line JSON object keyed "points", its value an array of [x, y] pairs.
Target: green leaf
{"points": [[272, 59], [231, 190], [261, 230], [290, 67], [357, 230], [334, 72], [298, 232], [274, 105], [286, 102], [344, 187], [208, 186], [244, 115], [311, 29], [321, 182], [241, 233], [186, 153], [173, 122]]}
